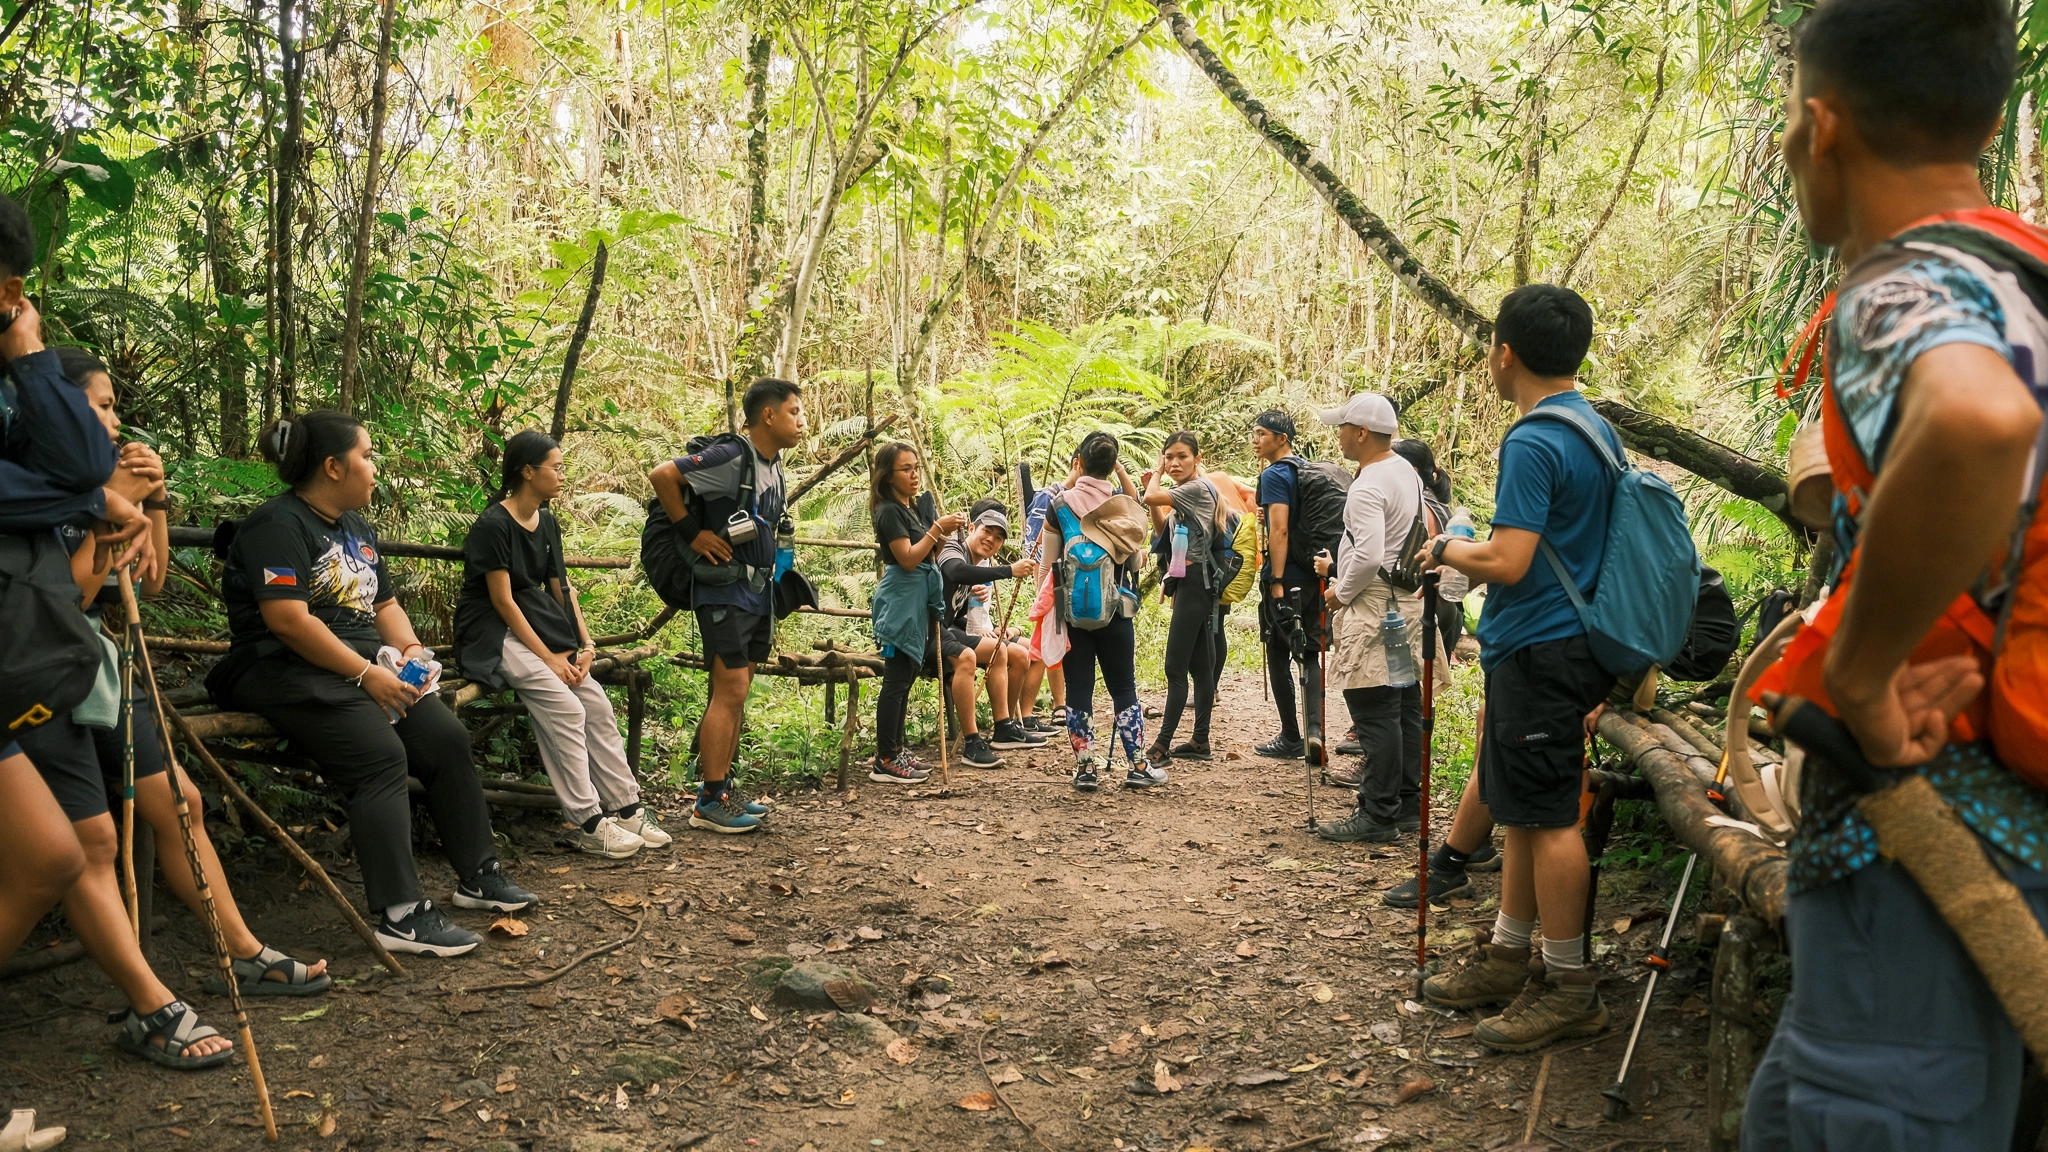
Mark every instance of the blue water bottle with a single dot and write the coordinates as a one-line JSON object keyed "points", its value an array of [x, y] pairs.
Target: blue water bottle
{"points": [[785, 547]]}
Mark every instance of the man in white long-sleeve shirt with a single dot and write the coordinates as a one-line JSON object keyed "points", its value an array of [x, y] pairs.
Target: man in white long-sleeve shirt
{"points": [[1379, 511]]}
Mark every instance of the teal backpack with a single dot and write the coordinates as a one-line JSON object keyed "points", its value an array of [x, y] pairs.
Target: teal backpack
{"points": [[1086, 590], [1649, 579]]}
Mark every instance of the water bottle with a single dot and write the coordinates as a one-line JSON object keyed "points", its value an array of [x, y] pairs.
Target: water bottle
{"points": [[1178, 566], [1400, 658], [1461, 523], [785, 547]]}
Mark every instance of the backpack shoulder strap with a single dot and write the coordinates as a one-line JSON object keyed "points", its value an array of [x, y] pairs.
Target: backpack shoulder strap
{"points": [[1564, 577], [1585, 429]]}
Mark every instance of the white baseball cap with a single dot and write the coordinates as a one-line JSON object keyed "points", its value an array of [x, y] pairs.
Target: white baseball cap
{"points": [[1369, 410]]}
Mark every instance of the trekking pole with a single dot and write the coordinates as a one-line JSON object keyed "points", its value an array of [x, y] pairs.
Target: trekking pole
{"points": [[1659, 960], [1429, 580], [211, 914], [945, 699], [131, 628]]}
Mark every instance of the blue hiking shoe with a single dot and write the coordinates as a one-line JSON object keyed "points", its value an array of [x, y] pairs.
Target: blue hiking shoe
{"points": [[722, 817]]}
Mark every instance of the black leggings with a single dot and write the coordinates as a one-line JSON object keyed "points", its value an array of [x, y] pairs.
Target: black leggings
{"points": [[1190, 649], [1280, 663], [1219, 638], [1114, 647], [368, 758], [898, 675]]}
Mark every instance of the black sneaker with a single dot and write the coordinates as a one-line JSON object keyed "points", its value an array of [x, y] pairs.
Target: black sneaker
{"points": [[893, 771], [975, 753], [1442, 886], [493, 891], [1145, 775], [1192, 750], [1011, 734], [1359, 829], [426, 931], [1411, 816], [1486, 859], [1281, 748], [1034, 725], [1084, 774]]}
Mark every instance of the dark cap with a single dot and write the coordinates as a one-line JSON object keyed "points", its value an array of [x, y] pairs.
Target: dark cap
{"points": [[1275, 421]]}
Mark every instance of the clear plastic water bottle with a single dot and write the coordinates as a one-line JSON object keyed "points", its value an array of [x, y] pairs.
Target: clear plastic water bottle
{"points": [[1178, 566], [1461, 523], [785, 547], [1400, 658]]}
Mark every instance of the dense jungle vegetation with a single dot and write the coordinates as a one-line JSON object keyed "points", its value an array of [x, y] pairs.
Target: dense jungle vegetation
{"points": [[1003, 222]]}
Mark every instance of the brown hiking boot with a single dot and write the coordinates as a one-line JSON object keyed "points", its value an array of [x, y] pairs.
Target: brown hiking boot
{"points": [[1495, 979], [1564, 1005]]}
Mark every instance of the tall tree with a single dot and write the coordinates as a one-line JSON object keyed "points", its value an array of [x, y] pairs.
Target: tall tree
{"points": [[366, 210]]}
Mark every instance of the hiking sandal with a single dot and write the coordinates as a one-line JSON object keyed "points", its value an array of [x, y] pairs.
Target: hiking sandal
{"points": [[253, 976], [178, 1027]]}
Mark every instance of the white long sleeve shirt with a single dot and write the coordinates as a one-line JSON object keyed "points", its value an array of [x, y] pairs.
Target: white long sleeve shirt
{"points": [[1378, 511]]}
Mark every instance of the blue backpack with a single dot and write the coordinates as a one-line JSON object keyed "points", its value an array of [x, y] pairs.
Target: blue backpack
{"points": [[1649, 579], [1086, 592]]}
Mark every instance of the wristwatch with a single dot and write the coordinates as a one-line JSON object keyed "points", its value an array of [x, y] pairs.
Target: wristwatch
{"points": [[1436, 551]]}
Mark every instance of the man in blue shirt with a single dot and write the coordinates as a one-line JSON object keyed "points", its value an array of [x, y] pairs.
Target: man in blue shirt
{"points": [[1281, 583], [737, 484], [1541, 678]]}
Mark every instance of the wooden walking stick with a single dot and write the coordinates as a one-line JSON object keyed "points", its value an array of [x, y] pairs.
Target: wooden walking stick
{"points": [[130, 631], [211, 914], [945, 699]]}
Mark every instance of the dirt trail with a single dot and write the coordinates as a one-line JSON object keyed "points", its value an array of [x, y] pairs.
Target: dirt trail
{"points": [[1095, 949]]}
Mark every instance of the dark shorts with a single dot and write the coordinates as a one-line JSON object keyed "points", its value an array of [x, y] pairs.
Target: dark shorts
{"points": [[953, 641], [1535, 741], [63, 754], [735, 637]]}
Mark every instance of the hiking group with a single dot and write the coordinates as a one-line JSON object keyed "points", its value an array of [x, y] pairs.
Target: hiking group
{"points": [[1922, 663]]}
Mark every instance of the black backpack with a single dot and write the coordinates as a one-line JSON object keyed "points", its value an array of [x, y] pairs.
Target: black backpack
{"points": [[1713, 634], [53, 656], [1316, 523], [668, 560]]}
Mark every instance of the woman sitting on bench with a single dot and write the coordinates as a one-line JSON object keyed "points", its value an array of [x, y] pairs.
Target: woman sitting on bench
{"points": [[314, 622], [518, 626]]}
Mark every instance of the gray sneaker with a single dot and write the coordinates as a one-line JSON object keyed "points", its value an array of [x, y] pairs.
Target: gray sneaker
{"points": [[1145, 775], [1359, 829]]}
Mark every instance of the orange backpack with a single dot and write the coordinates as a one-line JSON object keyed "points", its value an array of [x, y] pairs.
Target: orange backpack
{"points": [[2003, 620]]}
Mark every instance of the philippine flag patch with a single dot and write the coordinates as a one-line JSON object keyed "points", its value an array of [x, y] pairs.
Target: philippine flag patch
{"points": [[280, 577]]}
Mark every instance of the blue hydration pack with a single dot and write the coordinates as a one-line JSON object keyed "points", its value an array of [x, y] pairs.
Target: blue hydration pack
{"points": [[1085, 589], [1649, 578]]}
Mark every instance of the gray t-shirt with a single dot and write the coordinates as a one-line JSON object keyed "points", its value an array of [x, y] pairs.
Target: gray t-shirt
{"points": [[1194, 505]]}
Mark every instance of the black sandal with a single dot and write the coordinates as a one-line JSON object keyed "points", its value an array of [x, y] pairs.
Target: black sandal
{"points": [[178, 1027], [253, 975]]}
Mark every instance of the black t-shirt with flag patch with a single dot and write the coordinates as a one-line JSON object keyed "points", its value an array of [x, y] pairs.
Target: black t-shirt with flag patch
{"points": [[286, 551]]}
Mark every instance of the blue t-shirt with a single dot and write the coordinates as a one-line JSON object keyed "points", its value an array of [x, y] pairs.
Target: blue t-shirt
{"points": [[1552, 483], [1278, 484]]}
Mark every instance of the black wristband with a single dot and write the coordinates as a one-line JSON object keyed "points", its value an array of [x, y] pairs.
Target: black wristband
{"points": [[1436, 553]]}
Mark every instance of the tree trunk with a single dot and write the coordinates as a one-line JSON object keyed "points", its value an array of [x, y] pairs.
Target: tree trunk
{"points": [[574, 355], [231, 369], [1440, 297], [1532, 179], [977, 237], [288, 164], [366, 214], [1714, 462], [759, 52], [854, 162], [1628, 171]]}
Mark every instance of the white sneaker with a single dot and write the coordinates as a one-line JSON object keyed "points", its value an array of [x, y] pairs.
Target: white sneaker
{"points": [[612, 840], [643, 825]]}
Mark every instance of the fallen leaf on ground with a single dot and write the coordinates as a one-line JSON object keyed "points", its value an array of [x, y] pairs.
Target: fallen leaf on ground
{"points": [[1082, 1071], [1258, 1076], [1174, 1029], [1456, 1031], [739, 935], [625, 900], [1163, 1079], [327, 1125], [508, 926], [558, 871], [1309, 1065], [1322, 994], [754, 1010], [1007, 1075], [1246, 949], [1412, 1089], [869, 934], [901, 1050], [317, 1062], [978, 1101], [309, 1014], [1243, 1116], [849, 995], [296, 1092]]}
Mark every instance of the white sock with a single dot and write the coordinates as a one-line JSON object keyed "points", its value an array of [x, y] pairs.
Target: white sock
{"points": [[1509, 932], [398, 912], [1564, 955]]}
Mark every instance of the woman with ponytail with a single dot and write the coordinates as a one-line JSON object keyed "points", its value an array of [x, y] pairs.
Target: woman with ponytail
{"points": [[518, 626], [314, 621]]}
